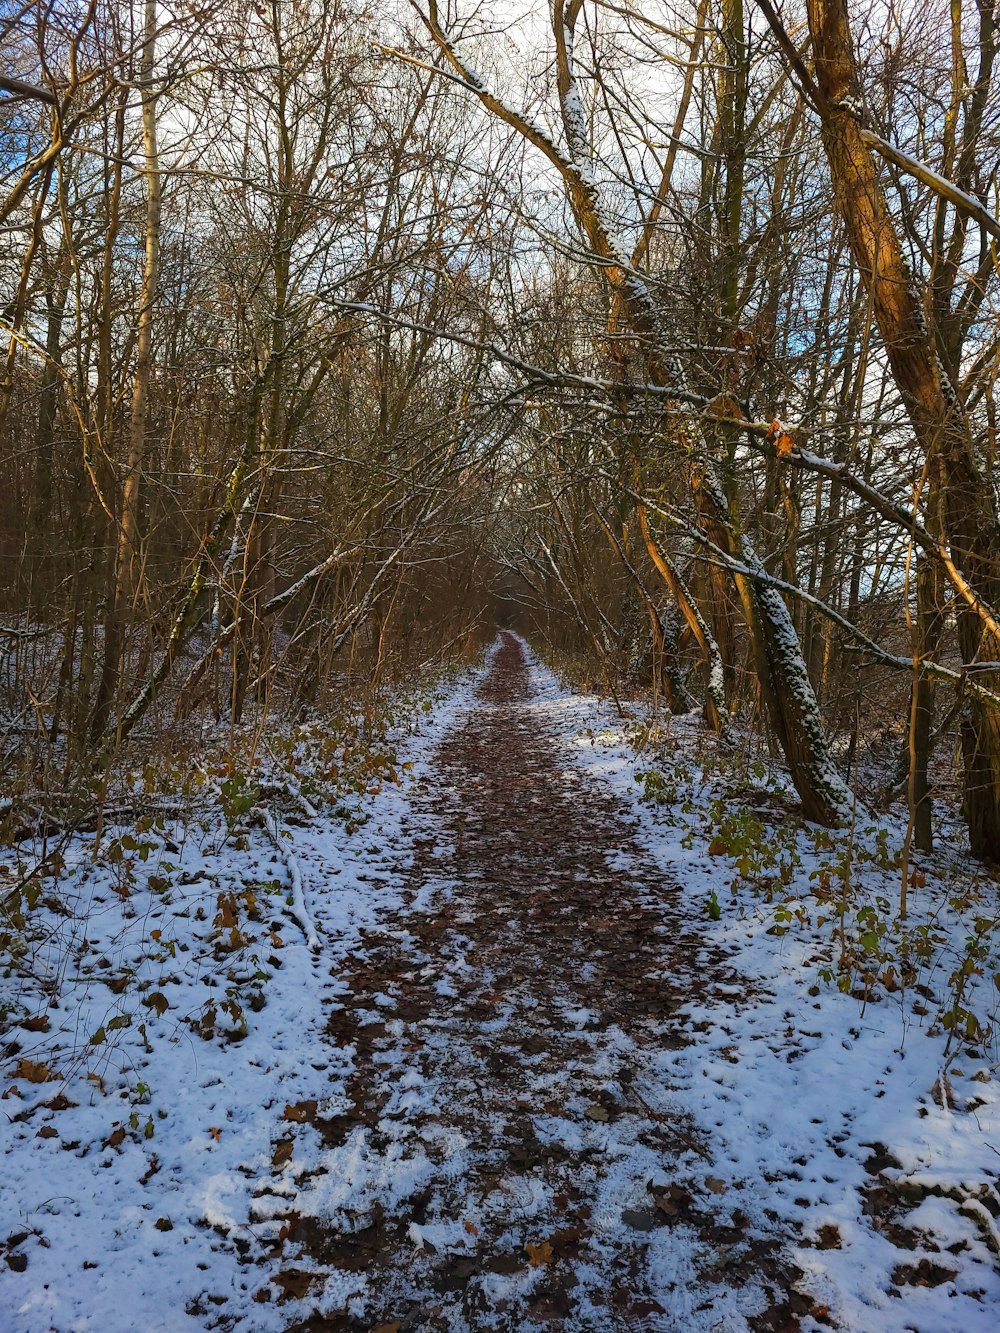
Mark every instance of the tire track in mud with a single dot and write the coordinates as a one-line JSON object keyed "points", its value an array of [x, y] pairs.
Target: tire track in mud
{"points": [[508, 1155]]}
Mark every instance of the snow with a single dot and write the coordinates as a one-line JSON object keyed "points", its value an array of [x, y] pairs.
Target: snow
{"points": [[154, 1201]]}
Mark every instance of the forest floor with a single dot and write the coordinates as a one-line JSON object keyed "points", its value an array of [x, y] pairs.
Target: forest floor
{"points": [[496, 1056]]}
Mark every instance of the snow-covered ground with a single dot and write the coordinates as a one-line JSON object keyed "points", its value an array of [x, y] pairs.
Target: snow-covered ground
{"points": [[169, 1016], [156, 1034], [832, 1096]]}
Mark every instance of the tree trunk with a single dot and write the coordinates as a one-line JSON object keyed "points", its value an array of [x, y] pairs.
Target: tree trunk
{"points": [[127, 558], [969, 523], [716, 714]]}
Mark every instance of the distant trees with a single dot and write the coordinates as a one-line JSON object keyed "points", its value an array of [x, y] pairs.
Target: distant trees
{"points": [[226, 468]]}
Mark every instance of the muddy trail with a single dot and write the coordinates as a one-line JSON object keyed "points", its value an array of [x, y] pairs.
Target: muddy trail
{"points": [[509, 1111]]}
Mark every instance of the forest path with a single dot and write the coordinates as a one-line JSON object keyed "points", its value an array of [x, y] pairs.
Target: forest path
{"points": [[508, 1155]]}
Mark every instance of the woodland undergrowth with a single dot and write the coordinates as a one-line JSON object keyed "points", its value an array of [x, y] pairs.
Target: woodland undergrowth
{"points": [[161, 912], [884, 924]]}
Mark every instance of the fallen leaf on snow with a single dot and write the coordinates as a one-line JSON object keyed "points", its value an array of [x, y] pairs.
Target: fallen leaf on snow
{"points": [[60, 1102], [301, 1112], [539, 1253], [35, 1073], [295, 1282], [157, 1001], [599, 1113], [283, 1152]]}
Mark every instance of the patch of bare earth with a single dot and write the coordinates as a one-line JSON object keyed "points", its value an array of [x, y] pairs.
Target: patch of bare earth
{"points": [[523, 1001]]}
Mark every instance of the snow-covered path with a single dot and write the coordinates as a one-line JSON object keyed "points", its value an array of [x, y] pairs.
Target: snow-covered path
{"points": [[509, 1152], [511, 1041]]}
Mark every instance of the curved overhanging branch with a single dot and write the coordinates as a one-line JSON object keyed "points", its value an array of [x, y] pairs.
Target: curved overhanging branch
{"points": [[911, 523], [964, 678], [21, 88], [760, 436]]}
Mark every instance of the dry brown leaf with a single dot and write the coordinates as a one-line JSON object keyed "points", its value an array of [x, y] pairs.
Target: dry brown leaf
{"points": [[35, 1073], [471, 1228], [725, 406], [539, 1253], [39, 1023], [115, 1138], [300, 1112], [295, 1282], [60, 1102], [227, 918], [715, 1185], [215, 1132], [283, 1152], [780, 438], [718, 848], [668, 1207]]}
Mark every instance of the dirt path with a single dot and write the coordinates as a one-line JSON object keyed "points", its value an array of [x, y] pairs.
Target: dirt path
{"points": [[509, 1126]]}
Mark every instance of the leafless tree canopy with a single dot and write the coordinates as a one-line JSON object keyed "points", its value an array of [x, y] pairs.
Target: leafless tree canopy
{"points": [[666, 332]]}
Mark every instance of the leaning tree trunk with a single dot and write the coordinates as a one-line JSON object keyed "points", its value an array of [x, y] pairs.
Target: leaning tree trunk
{"points": [[716, 713], [786, 691], [664, 637]]}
